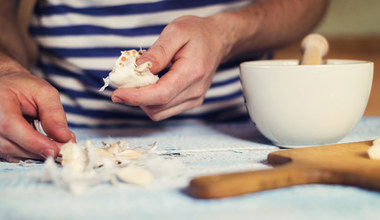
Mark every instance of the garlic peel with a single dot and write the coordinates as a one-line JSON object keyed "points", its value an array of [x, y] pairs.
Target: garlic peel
{"points": [[114, 163], [114, 148]]}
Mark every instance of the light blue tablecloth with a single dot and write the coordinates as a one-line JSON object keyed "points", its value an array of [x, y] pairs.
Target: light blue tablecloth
{"points": [[205, 149]]}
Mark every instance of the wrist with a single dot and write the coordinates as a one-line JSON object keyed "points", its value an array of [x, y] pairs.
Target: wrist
{"points": [[238, 29], [9, 65]]}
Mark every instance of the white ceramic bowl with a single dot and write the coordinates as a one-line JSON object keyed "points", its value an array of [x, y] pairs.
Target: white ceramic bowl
{"points": [[305, 105]]}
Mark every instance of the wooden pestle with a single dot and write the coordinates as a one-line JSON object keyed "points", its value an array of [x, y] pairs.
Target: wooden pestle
{"points": [[314, 47]]}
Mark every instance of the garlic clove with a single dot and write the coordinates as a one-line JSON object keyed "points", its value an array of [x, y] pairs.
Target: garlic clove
{"points": [[376, 142], [374, 152], [74, 155], [129, 154], [134, 175], [102, 156], [104, 153]]}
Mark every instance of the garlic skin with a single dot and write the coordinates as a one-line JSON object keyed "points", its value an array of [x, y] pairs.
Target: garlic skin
{"points": [[127, 74]]}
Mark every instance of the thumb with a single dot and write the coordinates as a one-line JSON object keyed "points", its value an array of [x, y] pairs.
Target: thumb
{"points": [[161, 53]]}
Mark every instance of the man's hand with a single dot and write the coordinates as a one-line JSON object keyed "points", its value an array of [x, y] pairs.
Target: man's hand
{"points": [[22, 96], [194, 47]]}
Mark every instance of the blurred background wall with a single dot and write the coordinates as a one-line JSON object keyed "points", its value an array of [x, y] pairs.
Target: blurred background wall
{"points": [[352, 18], [352, 28], [344, 17]]}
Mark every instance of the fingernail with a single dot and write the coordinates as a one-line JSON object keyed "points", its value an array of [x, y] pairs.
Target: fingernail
{"points": [[47, 153], [116, 99], [73, 138]]}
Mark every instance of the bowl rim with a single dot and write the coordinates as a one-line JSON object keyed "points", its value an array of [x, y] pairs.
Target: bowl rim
{"points": [[291, 63]]}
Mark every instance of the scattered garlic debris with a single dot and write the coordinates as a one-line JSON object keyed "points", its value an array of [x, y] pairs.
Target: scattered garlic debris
{"points": [[374, 150], [84, 166], [127, 74]]}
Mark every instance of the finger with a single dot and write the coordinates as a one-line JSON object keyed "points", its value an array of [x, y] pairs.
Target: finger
{"points": [[11, 159], [166, 89], [165, 48], [194, 94], [157, 113], [30, 139], [13, 153], [16, 129], [52, 116]]}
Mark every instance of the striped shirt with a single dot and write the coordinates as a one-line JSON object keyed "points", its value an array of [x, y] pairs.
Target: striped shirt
{"points": [[79, 41]]}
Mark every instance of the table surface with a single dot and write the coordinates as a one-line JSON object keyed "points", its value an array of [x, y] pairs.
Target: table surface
{"points": [[204, 149]]}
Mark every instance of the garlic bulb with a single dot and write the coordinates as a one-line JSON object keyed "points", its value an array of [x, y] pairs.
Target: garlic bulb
{"points": [[127, 74]]}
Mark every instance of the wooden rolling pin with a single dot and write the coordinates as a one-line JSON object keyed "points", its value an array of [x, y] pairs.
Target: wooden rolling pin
{"points": [[313, 47]]}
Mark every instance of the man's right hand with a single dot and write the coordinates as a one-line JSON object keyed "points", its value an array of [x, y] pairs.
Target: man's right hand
{"points": [[22, 96]]}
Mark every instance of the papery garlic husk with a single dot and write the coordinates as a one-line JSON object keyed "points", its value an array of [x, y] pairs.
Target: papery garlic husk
{"points": [[114, 148]]}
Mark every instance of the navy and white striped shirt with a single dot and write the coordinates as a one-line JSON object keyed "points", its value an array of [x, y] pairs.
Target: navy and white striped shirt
{"points": [[79, 41]]}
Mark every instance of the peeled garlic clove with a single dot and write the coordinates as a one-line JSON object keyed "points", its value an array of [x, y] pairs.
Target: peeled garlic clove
{"points": [[129, 154], [376, 142], [134, 175], [374, 152], [73, 155], [103, 155]]}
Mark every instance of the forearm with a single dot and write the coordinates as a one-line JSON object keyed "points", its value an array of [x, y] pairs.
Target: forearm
{"points": [[269, 24], [12, 46]]}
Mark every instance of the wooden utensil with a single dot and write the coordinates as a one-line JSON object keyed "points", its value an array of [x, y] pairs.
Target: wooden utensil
{"points": [[346, 164], [314, 47]]}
